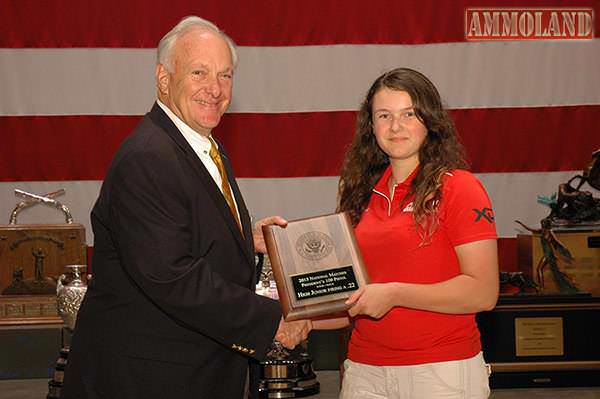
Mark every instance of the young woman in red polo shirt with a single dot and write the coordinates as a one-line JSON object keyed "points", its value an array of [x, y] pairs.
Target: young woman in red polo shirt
{"points": [[426, 230]]}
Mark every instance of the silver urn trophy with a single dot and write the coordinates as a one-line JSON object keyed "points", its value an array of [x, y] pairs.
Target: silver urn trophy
{"points": [[285, 373], [70, 290]]}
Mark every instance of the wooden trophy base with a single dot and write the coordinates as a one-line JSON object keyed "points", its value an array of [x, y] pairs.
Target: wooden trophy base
{"points": [[542, 341]]}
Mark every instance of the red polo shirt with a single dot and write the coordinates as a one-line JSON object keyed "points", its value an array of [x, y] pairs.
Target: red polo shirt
{"points": [[390, 245]]}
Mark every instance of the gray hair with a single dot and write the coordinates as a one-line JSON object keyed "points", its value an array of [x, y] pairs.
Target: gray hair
{"points": [[163, 52]]}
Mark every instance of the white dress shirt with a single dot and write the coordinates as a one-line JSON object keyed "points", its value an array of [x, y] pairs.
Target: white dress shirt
{"points": [[200, 145]]}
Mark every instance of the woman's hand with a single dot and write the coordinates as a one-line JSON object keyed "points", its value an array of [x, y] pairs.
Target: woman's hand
{"points": [[373, 300]]}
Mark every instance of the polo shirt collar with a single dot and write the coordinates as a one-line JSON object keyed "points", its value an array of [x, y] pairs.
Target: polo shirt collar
{"points": [[382, 184]]}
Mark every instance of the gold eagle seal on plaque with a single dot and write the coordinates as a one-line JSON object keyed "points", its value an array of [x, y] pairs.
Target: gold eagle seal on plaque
{"points": [[314, 245]]}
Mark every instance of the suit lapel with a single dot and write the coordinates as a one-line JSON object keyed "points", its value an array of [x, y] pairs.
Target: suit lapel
{"points": [[245, 242]]}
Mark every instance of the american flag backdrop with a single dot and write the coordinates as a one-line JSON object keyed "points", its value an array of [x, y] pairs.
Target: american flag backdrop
{"points": [[76, 76]]}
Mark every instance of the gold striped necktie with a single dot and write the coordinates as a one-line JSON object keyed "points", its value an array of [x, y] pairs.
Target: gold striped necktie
{"points": [[225, 187]]}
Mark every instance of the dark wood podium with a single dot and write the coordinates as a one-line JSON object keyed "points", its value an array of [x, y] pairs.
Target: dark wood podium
{"points": [[542, 341]]}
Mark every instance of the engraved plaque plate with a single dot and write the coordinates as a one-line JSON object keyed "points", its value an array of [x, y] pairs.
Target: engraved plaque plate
{"points": [[539, 336], [316, 264], [28, 309], [331, 281]]}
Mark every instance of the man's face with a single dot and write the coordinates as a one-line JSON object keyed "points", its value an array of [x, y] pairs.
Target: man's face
{"points": [[198, 87]]}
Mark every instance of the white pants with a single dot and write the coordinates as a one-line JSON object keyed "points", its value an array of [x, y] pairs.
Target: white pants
{"points": [[457, 379]]}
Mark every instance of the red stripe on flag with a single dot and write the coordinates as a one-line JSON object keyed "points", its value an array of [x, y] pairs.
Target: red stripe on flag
{"points": [[529, 139], [37, 148], [135, 23], [301, 144]]}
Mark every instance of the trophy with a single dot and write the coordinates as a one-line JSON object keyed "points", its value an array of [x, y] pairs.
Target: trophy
{"points": [[284, 374], [69, 296], [564, 258], [40, 284], [32, 256], [56, 383], [317, 265], [70, 291]]}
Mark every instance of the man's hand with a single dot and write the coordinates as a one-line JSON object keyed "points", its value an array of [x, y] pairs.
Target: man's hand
{"points": [[257, 234], [373, 300], [291, 333]]}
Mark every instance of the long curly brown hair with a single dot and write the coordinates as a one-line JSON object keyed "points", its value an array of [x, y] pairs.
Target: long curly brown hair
{"points": [[365, 162]]}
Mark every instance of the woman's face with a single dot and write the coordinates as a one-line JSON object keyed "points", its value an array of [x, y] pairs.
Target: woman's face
{"points": [[398, 130]]}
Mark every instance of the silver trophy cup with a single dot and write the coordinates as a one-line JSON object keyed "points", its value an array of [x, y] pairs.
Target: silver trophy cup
{"points": [[70, 290]]}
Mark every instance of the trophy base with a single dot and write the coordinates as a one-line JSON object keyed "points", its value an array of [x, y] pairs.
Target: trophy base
{"points": [[288, 388], [542, 341], [56, 383], [288, 377]]}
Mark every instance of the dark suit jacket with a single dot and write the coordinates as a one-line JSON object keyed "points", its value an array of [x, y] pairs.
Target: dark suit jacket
{"points": [[171, 310]]}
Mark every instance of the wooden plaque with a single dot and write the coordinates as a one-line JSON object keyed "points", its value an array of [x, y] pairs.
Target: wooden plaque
{"points": [[316, 264], [28, 254]]}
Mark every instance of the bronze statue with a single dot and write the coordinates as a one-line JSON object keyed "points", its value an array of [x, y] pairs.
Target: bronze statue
{"points": [[17, 286], [576, 207], [520, 281], [38, 285], [570, 207]]}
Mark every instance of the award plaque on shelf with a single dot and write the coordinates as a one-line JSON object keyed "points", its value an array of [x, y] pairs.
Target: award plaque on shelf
{"points": [[542, 341], [316, 264]]}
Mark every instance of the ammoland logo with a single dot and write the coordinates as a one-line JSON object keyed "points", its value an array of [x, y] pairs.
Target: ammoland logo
{"points": [[561, 23]]}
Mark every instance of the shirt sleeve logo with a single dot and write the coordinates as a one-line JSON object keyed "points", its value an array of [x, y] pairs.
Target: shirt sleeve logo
{"points": [[485, 213]]}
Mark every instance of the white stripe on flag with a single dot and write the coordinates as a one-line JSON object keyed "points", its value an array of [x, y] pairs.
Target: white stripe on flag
{"points": [[514, 197], [307, 78]]}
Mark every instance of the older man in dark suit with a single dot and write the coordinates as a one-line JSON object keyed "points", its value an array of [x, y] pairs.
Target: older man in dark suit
{"points": [[171, 311]]}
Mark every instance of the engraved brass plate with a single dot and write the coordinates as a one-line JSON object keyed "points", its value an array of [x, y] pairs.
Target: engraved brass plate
{"points": [[324, 282], [28, 309], [539, 336]]}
